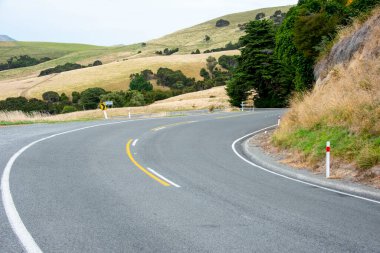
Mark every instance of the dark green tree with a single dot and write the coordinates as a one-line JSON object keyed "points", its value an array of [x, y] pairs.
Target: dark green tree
{"points": [[75, 97], [50, 96], [258, 69], [139, 83], [90, 97], [204, 73]]}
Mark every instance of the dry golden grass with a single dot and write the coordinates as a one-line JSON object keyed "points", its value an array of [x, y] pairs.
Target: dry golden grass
{"points": [[349, 96], [112, 76], [215, 97]]}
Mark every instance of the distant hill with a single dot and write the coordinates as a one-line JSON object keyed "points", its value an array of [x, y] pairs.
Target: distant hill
{"points": [[6, 38], [122, 60]]}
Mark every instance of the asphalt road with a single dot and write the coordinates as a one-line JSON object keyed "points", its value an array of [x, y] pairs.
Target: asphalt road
{"points": [[92, 191]]}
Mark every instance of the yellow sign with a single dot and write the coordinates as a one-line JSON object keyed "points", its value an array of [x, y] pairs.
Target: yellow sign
{"points": [[103, 106]]}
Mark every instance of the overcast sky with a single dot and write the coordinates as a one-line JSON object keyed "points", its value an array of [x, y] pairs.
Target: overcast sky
{"points": [[111, 22]]}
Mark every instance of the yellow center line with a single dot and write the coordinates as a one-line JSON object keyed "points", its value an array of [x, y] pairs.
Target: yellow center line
{"points": [[128, 148], [233, 116], [175, 124]]}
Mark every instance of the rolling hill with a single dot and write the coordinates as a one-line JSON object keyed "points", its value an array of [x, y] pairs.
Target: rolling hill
{"points": [[118, 61]]}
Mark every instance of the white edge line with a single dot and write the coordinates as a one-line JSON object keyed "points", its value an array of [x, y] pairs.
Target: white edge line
{"points": [[164, 178], [293, 179], [158, 128], [14, 219], [134, 142]]}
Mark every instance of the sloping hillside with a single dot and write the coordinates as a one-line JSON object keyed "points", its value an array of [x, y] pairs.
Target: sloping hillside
{"points": [[344, 106], [192, 38], [215, 98], [6, 38], [187, 40]]}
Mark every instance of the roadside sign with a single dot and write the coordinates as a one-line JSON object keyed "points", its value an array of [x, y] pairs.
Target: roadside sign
{"points": [[108, 103], [103, 106]]}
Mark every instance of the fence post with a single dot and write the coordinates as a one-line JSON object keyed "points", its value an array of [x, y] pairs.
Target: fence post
{"points": [[327, 159]]}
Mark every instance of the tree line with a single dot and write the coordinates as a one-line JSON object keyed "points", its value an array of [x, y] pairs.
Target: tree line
{"points": [[278, 60], [140, 91], [21, 62]]}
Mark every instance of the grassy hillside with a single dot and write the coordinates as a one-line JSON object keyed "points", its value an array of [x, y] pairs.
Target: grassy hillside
{"points": [[112, 76], [344, 106], [186, 40], [192, 38], [215, 97], [118, 61]]}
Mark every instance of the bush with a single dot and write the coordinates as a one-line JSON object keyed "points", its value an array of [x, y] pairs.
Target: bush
{"points": [[222, 23], [97, 63], [139, 83], [207, 38], [61, 68], [117, 97], [22, 61], [75, 97], [90, 97], [51, 96], [260, 16], [68, 109], [172, 79], [228, 62]]}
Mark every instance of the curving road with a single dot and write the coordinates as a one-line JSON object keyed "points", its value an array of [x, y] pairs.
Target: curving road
{"points": [[170, 185]]}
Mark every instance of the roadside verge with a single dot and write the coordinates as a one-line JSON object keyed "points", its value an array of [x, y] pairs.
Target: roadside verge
{"points": [[257, 158]]}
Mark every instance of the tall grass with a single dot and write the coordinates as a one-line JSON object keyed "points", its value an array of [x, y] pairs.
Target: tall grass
{"points": [[346, 104]]}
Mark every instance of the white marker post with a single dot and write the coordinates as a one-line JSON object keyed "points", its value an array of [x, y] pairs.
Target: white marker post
{"points": [[129, 113], [327, 159], [105, 114], [278, 121]]}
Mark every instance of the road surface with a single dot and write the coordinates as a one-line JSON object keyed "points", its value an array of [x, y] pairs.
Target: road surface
{"points": [[169, 185]]}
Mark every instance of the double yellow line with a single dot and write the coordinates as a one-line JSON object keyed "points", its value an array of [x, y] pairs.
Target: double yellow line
{"points": [[128, 149]]}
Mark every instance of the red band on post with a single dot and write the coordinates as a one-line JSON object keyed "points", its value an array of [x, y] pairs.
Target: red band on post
{"points": [[327, 149]]}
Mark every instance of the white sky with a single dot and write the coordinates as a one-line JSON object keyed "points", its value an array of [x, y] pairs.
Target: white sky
{"points": [[112, 22]]}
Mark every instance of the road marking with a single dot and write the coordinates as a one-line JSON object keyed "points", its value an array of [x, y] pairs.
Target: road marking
{"points": [[233, 116], [128, 148], [134, 142], [170, 125], [164, 178], [290, 178], [13, 216]]}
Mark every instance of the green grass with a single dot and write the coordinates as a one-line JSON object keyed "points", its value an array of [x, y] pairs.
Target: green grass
{"points": [[362, 149]]}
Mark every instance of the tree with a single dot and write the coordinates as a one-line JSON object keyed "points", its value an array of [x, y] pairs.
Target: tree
{"points": [[211, 64], [118, 98], [258, 69], [50, 96], [135, 98], [90, 97], [207, 38], [204, 73], [139, 83], [75, 97], [228, 62], [68, 109], [64, 98], [97, 63]]}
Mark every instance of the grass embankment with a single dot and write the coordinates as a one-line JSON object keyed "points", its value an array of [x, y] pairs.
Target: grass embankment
{"points": [[343, 108], [215, 97]]}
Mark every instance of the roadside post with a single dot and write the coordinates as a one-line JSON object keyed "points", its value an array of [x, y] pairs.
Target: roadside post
{"points": [[129, 113], [103, 107], [327, 159], [278, 121]]}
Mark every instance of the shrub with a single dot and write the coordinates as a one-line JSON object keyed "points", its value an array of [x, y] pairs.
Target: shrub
{"points": [[75, 96], [90, 97], [207, 38], [139, 83], [228, 62], [222, 23], [50, 96], [68, 109], [61, 68], [97, 63], [260, 16]]}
